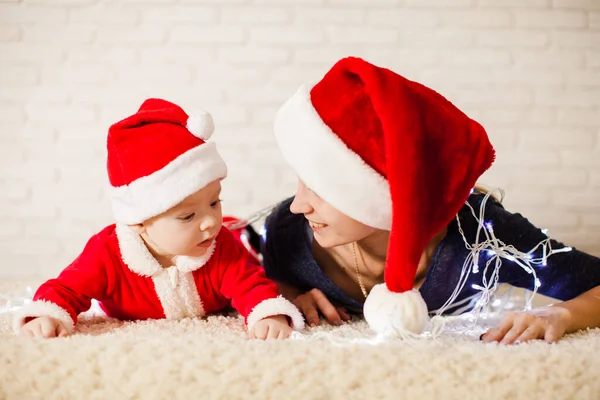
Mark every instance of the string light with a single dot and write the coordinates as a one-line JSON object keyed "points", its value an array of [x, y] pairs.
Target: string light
{"points": [[497, 251]]}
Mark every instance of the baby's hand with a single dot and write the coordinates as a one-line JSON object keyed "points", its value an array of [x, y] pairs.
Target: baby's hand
{"points": [[275, 327], [46, 327]]}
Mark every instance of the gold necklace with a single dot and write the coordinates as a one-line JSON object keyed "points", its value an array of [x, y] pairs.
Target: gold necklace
{"points": [[360, 282]]}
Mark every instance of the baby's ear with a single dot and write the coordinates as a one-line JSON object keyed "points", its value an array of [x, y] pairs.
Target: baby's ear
{"points": [[140, 229]]}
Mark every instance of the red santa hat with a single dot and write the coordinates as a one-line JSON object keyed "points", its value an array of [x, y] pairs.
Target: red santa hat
{"points": [[157, 157], [392, 154]]}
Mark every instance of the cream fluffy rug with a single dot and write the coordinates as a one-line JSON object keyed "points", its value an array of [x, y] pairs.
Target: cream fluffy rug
{"points": [[211, 359]]}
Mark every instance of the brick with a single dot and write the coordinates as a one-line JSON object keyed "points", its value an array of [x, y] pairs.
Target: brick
{"points": [[101, 55], [77, 74], [594, 20], [9, 33], [529, 77], [17, 76], [254, 55], [171, 14], [550, 19], [321, 56], [23, 13], [167, 75], [440, 38], [107, 13], [577, 201], [271, 94], [35, 94], [584, 78], [229, 114], [58, 34], [220, 2], [536, 157], [439, 3], [577, 4], [525, 196], [296, 74], [43, 247], [578, 97], [576, 137], [476, 18], [580, 116], [509, 38], [194, 54], [585, 39], [545, 116], [326, 15], [493, 57], [105, 94], [61, 2], [286, 35], [34, 53], [254, 15], [137, 35], [216, 34], [60, 114], [595, 179], [9, 228], [402, 18], [549, 59], [592, 58], [577, 158], [373, 3], [12, 114], [502, 116], [27, 174], [352, 35], [514, 3]]}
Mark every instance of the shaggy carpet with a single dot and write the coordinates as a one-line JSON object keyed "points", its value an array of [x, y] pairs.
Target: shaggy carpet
{"points": [[211, 359]]}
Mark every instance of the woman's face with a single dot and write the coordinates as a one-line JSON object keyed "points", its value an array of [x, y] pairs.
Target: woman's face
{"points": [[330, 226]]}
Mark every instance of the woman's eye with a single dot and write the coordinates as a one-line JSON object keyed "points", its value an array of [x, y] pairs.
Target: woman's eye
{"points": [[187, 217]]}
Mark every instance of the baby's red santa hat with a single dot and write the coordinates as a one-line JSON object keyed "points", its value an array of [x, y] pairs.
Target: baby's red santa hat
{"points": [[157, 157], [392, 154]]}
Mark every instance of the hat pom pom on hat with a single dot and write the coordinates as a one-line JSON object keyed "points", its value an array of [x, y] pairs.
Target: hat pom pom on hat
{"points": [[395, 314], [201, 125]]}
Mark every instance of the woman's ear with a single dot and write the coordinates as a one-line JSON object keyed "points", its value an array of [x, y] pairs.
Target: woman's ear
{"points": [[140, 229]]}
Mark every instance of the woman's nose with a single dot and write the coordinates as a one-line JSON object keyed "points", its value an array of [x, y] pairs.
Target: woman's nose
{"points": [[301, 203]]}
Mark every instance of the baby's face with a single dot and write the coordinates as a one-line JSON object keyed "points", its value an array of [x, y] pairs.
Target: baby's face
{"points": [[189, 228]]}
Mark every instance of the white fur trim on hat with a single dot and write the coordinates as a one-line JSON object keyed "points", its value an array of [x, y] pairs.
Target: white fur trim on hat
{"points": [[328, 167], [276, 306], [42, 308], [201, 125], [395, 314], [154, 194]]}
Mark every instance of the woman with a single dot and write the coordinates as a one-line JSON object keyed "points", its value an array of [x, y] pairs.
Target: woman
{"points": [[382, 219]]}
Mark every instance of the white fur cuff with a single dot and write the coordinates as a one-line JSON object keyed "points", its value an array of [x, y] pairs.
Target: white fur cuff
{"points": [[276, 306], [42, 308]]}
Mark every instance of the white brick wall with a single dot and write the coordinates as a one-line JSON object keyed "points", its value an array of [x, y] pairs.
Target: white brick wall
{"points": [[528, 70]]}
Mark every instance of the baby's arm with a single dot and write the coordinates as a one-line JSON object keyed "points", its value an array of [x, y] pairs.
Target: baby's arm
{"points": [[254, 295], [57, 302]]}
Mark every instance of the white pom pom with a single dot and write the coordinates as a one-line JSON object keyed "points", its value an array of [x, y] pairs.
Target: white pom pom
{"points": [[395, 314], [201, 125]]}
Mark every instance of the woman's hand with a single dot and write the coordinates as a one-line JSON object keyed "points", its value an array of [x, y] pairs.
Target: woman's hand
{"points": [[549, 324], [314, 302]]}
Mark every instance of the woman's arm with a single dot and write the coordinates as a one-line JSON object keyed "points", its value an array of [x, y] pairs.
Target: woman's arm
{"points": [[583, 311]]}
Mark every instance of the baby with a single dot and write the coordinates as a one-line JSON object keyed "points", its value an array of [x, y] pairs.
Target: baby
{"points": [[168, 255]]}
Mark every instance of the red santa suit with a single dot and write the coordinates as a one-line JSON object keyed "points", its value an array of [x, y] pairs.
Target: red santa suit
{"points": [[117, 269], [156, 158]]}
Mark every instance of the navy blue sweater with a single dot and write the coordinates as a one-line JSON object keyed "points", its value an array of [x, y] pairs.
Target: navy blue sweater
{"points": [[286, 248]]}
